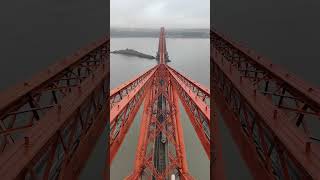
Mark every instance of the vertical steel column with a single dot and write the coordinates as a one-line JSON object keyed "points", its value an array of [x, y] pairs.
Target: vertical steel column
{"points": [[161, 119], [180, 148], [143, 138]]}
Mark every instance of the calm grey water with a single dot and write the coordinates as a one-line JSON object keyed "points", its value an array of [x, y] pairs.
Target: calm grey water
{"points": [[190, 57]]}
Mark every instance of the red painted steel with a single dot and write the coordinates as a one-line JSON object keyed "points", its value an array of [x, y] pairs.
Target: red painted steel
{"points": [[24, 105], [197, 88], [122, 90], [55, 134], [217, 165], [122, 116], [164, 121], [143, 139], [59, 145], [270, 105], [50, 124], [65, 132], [179, 138], [167, 86], [162, 47], [57, 139], [195, 97], [151, 128], [197, 110]]}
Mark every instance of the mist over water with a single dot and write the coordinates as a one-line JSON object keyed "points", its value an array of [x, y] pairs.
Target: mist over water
{"points": [[190, 57]]}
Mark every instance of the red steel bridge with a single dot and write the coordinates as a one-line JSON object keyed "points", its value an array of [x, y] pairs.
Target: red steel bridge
{"points": [[49, 125]]}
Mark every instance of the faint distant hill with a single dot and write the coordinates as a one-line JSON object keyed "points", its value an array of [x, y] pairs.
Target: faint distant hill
{"points": [[170, 33]]}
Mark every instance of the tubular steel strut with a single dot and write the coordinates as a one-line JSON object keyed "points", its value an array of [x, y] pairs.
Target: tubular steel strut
{"points": [[160, 150], [268, 112], [50, 124]]}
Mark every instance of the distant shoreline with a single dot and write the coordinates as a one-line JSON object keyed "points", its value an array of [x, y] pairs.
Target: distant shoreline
{"points": [[154, 33]]}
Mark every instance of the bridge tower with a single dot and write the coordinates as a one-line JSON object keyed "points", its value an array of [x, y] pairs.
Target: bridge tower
{"points": [[160, 152]]}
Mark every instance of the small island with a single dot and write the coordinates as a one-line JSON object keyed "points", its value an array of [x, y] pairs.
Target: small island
{"points": [[131, 52]]}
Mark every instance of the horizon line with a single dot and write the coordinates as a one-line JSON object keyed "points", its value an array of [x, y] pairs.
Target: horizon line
{"points": [[112, 27]]}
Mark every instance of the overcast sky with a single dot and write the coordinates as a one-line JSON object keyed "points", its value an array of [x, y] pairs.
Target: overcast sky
{"points": [[157, 13]]}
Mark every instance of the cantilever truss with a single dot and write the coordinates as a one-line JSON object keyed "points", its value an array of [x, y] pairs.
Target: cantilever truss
{"points": [[268, 111], [50, 124], [160, 87], [160, 150]]}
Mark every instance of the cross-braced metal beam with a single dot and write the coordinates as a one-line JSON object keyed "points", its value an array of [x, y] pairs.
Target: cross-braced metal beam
{"points": [[122, 112], [25, 105], [161, 151], [268, 111], [49, 125]]}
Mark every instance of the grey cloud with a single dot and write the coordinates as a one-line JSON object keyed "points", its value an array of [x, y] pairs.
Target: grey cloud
{"points": [[156, 13]]}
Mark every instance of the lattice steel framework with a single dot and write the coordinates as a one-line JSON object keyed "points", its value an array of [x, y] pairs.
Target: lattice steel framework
{"points": [[268, 112], [161, 151], [50, 124]]}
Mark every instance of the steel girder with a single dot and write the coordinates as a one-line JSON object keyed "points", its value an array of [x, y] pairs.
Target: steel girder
{"points": [[58, 146], [117, 94], [169, 127], [271, 106], [122, 112], [200, 90], [143, 138], [25, 105], [299, 100], [162, 48], [196, 100], [161, 122], [161, 118], [197, 110]]}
